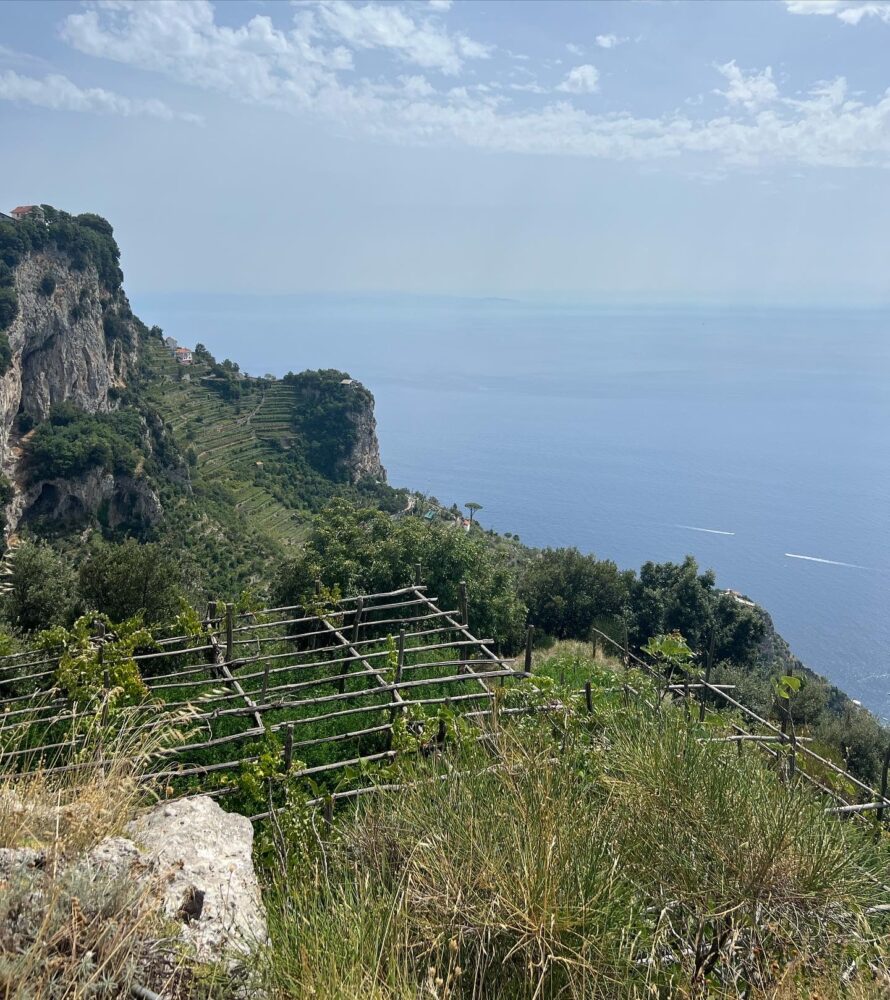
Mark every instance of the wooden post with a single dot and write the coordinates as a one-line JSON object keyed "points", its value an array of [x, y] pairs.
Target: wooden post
{"points": [[708, 665], [400, 662], [397, 679], [529, 641], [329, 810], [265, 682], [786, 707], [288, 746], [593, 639], [359, 608], [792, 757], [318, 588], [884, 770], [418, 574], [588, 697], [464, 617], [211, 612], [230, 640]]}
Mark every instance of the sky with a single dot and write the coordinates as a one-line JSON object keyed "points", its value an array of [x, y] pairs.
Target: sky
{"points": [[732, 152]]}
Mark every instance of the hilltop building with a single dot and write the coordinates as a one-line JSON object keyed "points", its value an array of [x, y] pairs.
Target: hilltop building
{"points": [[20, 211], [183, 355]]}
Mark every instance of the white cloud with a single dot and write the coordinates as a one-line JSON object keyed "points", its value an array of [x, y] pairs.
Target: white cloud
{"points": [[581, 80], [378, 26], [308, 69], [753, 91], [416, 86], [61, 94], [848, 11], [575, 50], [609, 41], [440, 4]]}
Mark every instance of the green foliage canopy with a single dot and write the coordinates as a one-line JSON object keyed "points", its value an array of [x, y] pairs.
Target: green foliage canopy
{"points": [[71, 442], [131, 579], [41, 587], [364, 550]]}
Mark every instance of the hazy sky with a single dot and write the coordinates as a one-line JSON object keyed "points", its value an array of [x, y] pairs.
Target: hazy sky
{"points": [[723, 151]]}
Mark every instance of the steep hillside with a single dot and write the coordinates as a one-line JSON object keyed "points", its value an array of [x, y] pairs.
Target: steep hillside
{"points": [[103, 432]]}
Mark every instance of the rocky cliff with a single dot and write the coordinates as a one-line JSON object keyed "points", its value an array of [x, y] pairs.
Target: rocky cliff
{"points": [[334, 415], [98, 420], [73, 340]]}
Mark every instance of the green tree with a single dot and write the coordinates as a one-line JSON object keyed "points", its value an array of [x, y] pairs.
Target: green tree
{"points": [[473, 508], [671, 597], [567, 592], [9, 307], [41, 587], [131, 578], [364, 550]]}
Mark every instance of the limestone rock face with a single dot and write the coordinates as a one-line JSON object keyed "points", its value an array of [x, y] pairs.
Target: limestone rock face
{"points": [[209, 885], [60, 353], [59, 348], [125, 500], [363, 459]]}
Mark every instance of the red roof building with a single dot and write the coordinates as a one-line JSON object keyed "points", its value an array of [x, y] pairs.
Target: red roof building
{"points": [[20, 211]]}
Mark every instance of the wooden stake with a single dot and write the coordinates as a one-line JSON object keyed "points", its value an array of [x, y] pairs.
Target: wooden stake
{"points": [[884, 771], [529, 642], [464, 617], [288, 747], [359, 608], [418, 574], [708, 665], [230, 647], [588, 696]]}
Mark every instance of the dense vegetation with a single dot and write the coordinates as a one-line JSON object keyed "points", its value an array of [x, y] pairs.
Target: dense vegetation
{"points": [[617, 855], [327, 407], [72, 442]]}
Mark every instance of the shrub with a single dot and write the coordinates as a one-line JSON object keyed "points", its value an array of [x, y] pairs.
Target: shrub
{"points": [[41, 587], [132, 578], [47, 285], [9, 306]]}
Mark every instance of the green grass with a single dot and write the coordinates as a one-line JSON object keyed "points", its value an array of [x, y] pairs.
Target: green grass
{"points": [[616, 854]]}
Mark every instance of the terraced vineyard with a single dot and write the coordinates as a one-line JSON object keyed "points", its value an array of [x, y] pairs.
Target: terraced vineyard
{"points": [[233, 441]]}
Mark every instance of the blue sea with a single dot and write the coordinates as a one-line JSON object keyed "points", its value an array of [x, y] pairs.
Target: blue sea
{"points": [[754, 439]]}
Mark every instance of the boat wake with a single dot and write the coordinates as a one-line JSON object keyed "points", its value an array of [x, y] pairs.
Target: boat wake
{"points": [[707, 531], [828, 562]]}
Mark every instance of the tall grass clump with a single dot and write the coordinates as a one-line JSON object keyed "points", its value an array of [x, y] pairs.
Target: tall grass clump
{"points": [[70, 925], [615, 854]]}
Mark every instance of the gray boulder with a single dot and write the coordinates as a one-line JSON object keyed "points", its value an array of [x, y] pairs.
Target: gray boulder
{"points": [[204, 856]]}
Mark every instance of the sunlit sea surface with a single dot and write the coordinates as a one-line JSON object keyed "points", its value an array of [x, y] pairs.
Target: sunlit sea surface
{"points": [[756, 440]]}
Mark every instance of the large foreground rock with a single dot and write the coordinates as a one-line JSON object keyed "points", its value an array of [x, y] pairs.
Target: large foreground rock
{"points": [[198, 858], [204, 856]]}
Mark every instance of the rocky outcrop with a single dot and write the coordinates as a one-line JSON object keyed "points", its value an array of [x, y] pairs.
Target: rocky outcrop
{"points": [[183, 870], [334, 416], [61, 352], [117, 501], [362, 460], [210, 887]]}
